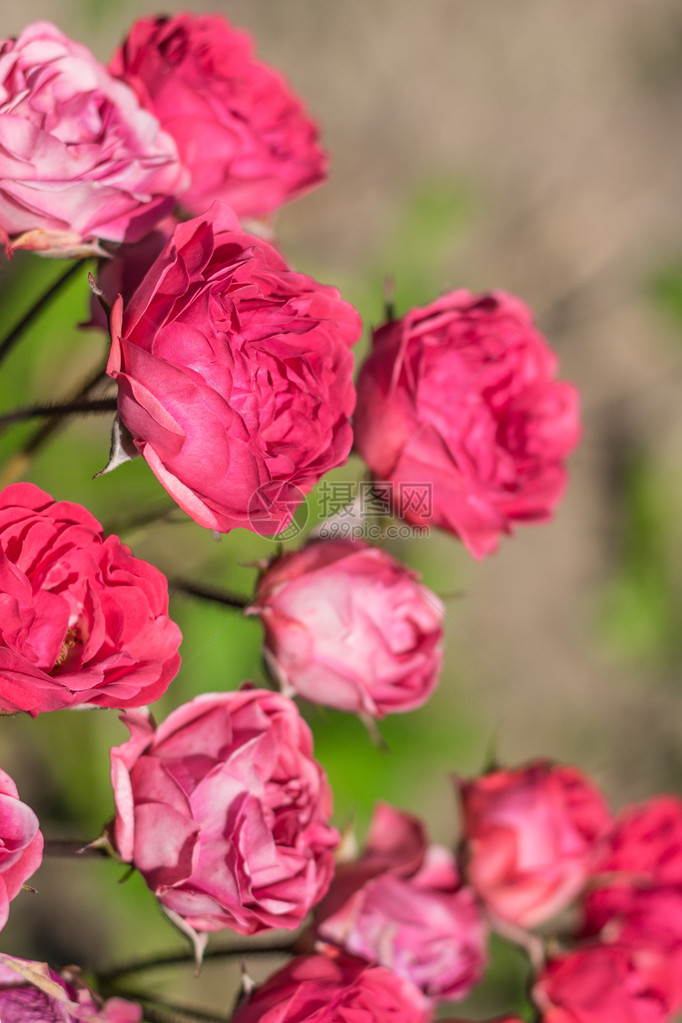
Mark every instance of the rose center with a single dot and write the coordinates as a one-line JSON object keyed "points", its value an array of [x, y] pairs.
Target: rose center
{"points": [[67, 652]]}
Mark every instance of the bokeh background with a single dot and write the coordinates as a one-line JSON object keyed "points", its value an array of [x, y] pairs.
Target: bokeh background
{"points": [[528, 146]]}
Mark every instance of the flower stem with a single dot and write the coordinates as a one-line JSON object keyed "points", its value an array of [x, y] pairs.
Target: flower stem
{"points": [[187, 958], [78, 407], [209, 593], [67, 847], [16, 466], [10, 339]]}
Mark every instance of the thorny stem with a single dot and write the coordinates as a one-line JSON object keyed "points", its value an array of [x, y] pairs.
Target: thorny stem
{"points": [[69, 408], [209, 593], [10, 339], [125, 528], [182, 958], [17, 464], [48, 428]]}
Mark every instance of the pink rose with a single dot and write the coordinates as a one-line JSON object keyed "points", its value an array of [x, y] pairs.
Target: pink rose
{"points": [[605, 984], [650, 919], [348, 626], [408, 913], [82, 621], [21, 845], [636, 892], [234, 374], [646, 840], [224, 811], [329, 989], [80, 160], [532, 837], [240, 130], [460, 396], [123, 271], [31, 991]]}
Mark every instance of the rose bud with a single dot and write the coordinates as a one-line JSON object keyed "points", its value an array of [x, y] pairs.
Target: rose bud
{"points": [[240, 130], [531, 838], [224, 811], [605, 984], [80, 159], [82, 622], [460, 395], [328, 989], [402, 905], [21, 845], [349, 626], [234, 374], [636, 891], [31, 991]]}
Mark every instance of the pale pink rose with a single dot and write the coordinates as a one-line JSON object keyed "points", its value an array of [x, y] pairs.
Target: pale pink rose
{"points": [[460, 397], [31, 992], [224, 811], [234, 375], [329, 989], [409, 913], [80, 159], [240, 129], [81, 620], [606, 984], [21, 845], [532, 837], [349, 626]]}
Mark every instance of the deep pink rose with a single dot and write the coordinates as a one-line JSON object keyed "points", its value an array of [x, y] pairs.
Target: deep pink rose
{"points": [[21, 845], [123, 271], [407, 912], [646, 840], [240, 130], [329, 989], [605, 984], [650, 918], [81, 620], [349, 626], [531, 838], [31, 992], [224, 811], [635, 896], [643, 853], [460, 396], [234, 375], [80, 159]]}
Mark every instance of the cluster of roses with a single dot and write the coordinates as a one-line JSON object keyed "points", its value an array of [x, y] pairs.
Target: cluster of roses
{"points": [[404, 926], [234, 382], [234, 372], [537, 841]]}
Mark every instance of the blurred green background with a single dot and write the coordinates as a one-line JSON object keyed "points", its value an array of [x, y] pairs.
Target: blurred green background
{"points": [[518, 146]]}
